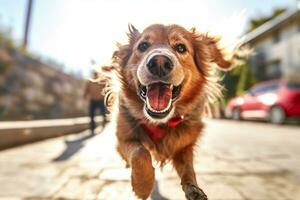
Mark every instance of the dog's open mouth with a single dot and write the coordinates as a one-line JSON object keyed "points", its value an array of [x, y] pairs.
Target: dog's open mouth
{"points": [[159, 98]]}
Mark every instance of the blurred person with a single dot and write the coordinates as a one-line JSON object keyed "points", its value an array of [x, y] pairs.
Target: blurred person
{"points": [[94, 92]]}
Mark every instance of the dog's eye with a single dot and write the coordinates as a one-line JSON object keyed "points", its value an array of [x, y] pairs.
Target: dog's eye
{"points": [[180, 48], [143, 46]]}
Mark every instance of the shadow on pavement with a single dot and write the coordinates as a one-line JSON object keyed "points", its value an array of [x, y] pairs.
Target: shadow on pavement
{"points": [[72, 147], [156, 193]]}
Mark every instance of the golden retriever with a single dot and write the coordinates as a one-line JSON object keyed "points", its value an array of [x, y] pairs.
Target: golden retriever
{"points": [[166, 81]]}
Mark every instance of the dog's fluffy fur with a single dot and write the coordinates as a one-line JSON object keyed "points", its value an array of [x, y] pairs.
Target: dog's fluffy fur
{"points": [[193, 70]]}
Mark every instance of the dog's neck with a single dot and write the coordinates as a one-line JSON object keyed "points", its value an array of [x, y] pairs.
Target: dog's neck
{"points": [[156, 131]]}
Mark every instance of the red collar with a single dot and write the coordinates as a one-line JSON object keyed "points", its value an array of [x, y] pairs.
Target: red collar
{"points": [[155, 132]]}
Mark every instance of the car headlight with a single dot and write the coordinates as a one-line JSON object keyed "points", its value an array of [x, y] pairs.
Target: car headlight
{"points": [[240, 101]]}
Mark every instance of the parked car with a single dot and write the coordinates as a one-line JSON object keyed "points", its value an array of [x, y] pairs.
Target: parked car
{"points": [[274, 101]]}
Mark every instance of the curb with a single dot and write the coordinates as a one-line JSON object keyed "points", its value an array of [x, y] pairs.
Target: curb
{"points": [[22, 132]]}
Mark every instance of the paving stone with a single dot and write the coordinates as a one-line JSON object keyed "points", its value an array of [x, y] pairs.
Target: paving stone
{"points": [[80, 188], [220, 190], [254, 188], [119, 174], [71, 190], [260, 167], [116, 191], [171, 189]]}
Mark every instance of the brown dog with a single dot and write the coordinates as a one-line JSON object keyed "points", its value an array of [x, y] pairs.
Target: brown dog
{"points": [[165, 76]]}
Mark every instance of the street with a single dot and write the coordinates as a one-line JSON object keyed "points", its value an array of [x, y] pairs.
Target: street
{"points": [[234, 161]]}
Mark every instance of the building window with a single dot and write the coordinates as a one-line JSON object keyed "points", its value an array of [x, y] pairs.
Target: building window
{"points": [[273, 69], [276, 37]]}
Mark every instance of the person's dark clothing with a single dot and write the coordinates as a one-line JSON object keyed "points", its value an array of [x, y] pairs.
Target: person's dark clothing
{"points": [[94, 106], [94, 91]]}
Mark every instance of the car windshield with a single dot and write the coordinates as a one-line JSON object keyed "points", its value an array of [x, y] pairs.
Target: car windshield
{"points": [[293, 85], [265, 88]]}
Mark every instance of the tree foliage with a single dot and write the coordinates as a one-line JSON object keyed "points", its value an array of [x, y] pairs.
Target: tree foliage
{"points": [[258, 21]]}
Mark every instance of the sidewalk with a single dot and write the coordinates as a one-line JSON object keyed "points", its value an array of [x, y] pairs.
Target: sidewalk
{"points": [[229, 167]]}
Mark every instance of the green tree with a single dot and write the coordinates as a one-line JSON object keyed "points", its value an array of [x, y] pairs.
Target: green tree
{"points": [[258, 21]]}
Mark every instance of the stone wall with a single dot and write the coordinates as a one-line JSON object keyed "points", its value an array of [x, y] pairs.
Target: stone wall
{"points": [[30, 89]]}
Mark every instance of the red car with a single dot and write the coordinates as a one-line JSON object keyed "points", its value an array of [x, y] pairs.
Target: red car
{"points": [[271, 100]]}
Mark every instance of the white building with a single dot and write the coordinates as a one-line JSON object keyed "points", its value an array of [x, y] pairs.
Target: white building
{"points": [[277, 47]]}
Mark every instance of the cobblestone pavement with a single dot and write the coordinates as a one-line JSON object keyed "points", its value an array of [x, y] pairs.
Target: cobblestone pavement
{"points": [[234, 161]]}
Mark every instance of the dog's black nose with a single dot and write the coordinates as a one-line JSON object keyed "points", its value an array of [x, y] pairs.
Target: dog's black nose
{"points": [[160, 65]]}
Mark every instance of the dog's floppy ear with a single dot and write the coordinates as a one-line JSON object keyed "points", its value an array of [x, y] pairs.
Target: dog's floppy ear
{"points": [[122, 55], [206, 51], [133, 34]]}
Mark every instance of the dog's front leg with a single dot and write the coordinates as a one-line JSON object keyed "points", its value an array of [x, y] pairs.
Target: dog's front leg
{"points": [[183, 163], [142, 174]]}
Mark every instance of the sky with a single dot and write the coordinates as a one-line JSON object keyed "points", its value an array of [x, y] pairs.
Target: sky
{"points": [[73, 32]]}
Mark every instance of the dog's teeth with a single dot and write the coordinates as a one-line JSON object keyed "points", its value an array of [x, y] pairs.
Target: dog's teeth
{"points": [[171, 87]]}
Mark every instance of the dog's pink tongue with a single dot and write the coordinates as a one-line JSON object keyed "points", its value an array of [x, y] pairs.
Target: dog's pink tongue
{"points": [[159, 95]]}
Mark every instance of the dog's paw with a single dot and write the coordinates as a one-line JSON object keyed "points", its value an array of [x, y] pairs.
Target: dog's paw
{"points": [[142, 175], [193, 192]]}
